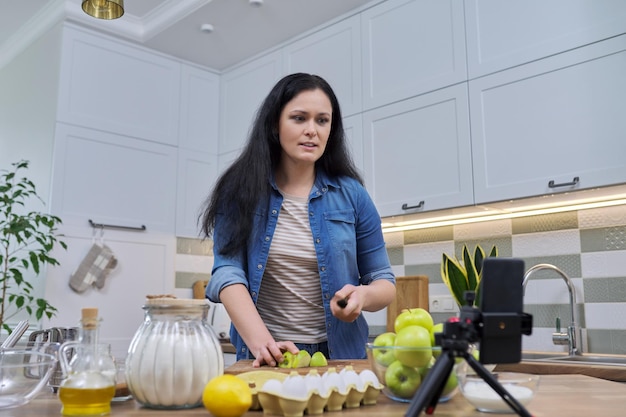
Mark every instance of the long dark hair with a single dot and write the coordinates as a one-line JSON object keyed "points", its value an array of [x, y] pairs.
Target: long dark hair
{"points": [[245, 184]]}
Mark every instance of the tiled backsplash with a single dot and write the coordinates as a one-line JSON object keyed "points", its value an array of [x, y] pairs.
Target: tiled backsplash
{"points": [[194, 260], [589, 246]]}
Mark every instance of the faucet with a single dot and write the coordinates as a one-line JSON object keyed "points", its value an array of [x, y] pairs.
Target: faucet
{"points": [[572, 337]]}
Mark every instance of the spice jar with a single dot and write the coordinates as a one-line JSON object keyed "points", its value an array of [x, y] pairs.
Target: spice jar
{"points": [[173, 354]]}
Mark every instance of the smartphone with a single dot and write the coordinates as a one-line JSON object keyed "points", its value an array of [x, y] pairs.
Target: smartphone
{"points": [[501, 304]]}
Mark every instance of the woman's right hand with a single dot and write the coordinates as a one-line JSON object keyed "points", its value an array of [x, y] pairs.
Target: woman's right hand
{"points": [[271, 353], [246, 319]]}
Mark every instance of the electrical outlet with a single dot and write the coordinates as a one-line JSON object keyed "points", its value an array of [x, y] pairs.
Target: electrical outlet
{"points": [[442, 304]]}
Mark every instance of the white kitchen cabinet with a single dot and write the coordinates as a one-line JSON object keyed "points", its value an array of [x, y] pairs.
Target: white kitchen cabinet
{"points": [[417, 153], [334, 53], [226, 159], [197, 148], [503, 34], [411, 47], [353, 126], [113, 179], [242, 91], [538, 127], [197, 173], [111, 85], [199, 109], [145, 265]]}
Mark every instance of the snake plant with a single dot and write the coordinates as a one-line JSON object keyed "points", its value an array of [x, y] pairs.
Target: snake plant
{"points": [[460, 277]]}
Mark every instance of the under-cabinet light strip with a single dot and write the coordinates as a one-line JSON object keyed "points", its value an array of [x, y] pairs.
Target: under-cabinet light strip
{"points": [[501, 216]]}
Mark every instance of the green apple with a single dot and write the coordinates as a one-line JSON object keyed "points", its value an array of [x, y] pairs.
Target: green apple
{"points": [[424, 369], [437, 328], [384, 356], [288, 359], [402, 380], [302, 359], [414, 337], [413, 317], [318, 359], [451, 383]]}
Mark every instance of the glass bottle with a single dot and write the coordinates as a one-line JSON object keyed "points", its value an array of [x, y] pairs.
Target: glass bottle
{"points": [[173, 354], [89, 385]]}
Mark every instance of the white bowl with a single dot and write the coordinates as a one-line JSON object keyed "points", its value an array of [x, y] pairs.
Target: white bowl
{"points": [[478, 393], [24, 372]]}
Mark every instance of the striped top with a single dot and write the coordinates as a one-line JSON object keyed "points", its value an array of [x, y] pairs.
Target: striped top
{"points": [[290, 298]]}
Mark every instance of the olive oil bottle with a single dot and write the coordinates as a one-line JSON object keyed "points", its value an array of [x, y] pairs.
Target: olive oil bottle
{"points": [[89, 385]]}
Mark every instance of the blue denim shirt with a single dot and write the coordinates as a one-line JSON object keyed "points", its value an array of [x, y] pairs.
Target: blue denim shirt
{"points": [[350, 250]]}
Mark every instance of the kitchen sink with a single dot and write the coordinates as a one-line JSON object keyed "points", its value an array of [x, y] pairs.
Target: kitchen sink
{"points": [[534, 356], [598, 365], [592, 359], [584, 359]]}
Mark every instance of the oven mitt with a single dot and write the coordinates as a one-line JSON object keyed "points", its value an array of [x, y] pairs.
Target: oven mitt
{"points": [[109, 265], [93, 269]]}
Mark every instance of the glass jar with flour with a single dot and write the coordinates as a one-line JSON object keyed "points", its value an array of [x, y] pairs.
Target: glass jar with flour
{"points": [[173, 354]]}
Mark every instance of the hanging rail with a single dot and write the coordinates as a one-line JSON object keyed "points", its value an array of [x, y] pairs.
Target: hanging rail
{"points": [[114, 226]]}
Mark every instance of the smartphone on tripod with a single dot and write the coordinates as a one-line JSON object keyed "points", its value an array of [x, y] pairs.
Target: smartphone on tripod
{"points": [[497, 326], [501, 303]]}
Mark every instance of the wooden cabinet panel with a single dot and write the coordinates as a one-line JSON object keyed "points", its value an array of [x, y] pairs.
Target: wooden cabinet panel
{"points": [[503, 34], [118, 87], [418, 150], [113, 179], [333, 53], [411, 47], [551, 120]]}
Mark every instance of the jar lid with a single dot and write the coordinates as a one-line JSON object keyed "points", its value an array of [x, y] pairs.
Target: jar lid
{"points": [[172, 301]]}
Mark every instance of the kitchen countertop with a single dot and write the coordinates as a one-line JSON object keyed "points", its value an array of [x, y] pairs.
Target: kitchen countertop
{"points": [[558, 395], [597, 370]]}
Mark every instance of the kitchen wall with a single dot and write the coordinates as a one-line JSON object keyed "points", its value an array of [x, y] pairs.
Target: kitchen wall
{"points": [[588, 245]]}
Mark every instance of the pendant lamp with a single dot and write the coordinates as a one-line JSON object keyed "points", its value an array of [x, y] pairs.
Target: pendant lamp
{"points": [[104, 9]]}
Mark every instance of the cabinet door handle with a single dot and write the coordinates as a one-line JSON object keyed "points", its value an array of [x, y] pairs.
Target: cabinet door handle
{"points": [[575, 181], [103, 226], [405, 206]]}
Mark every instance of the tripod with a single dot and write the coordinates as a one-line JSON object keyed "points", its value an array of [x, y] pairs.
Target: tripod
{"points": [[458, 334]]}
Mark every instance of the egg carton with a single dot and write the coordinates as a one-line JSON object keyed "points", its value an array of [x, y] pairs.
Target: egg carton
{"points": [[292, 395]]}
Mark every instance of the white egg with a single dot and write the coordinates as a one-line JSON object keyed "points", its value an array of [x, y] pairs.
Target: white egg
{"points": [[272, 386], [294, 386], [368, 377], [351, 378], [333, 381], [315, 384]]}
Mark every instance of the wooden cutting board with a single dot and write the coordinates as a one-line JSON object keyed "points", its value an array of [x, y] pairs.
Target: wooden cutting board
{"points": [[245, 365]]}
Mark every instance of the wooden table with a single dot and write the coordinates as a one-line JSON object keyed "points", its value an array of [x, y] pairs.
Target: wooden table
{"points": [[558, 395]]}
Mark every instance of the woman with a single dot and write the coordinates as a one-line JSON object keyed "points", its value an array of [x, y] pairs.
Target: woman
{"points": [[298, 246]]}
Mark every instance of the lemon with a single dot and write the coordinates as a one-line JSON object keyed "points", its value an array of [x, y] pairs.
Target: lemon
{"points": [[227, 396]]}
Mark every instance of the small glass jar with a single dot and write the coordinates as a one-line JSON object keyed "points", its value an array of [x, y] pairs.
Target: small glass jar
{"points": [[89, 384], [173, 354]]}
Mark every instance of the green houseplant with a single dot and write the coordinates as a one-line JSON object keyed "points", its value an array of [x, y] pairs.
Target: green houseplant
{"points": [[460, 277], [26, 240]]}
